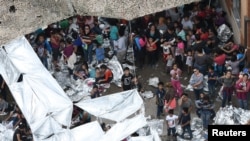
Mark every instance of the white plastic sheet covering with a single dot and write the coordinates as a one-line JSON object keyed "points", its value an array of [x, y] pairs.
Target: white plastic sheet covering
{"points": [[153, 81], [116, 69], [5, 133], [115, 107], [88, 132], [63, 135], [124, 129], [142, 138], [40, 98]]}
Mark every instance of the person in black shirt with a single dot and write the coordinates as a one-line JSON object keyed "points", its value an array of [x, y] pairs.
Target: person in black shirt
{"points": [[19, 132], [126, 79], [184, 121]]}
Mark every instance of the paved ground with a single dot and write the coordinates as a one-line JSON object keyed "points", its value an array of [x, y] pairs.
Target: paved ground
{"points": [[159, 71]]}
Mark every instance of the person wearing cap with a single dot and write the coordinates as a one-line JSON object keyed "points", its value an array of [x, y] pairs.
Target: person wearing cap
{"points": [[196, 81]]}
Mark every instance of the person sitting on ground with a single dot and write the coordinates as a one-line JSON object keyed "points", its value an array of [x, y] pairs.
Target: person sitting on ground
{"points": [[80, 117], [3, 106], [82, 72], [15, 117], [107, 77], [95, 92]]}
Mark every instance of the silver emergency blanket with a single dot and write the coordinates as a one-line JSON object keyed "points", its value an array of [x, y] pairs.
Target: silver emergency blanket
{"points": [[147, 94], [198, 133], [230, 115], [116, 69], [157, 125], [6, 134], [224, 33], [153, 81]]}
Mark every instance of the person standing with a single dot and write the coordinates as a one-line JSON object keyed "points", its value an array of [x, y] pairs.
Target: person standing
{"points": [[171, 119], [126, 79], [196, 81], [206, 108], [228, 82], [175, 80], [212, 78], [160, 95], [184, 121], [242, 89]]}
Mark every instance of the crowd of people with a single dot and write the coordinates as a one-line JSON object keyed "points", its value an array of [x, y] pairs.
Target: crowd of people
{"points": [[185, 38]]}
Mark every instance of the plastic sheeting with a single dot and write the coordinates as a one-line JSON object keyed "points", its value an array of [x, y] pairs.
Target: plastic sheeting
{"points": [[115, 107], [142, 138], [224, 33], [5, 133], [88, 132], [42, 101], [231, 116], [198, 133], [122, 130], [116, 69], [153, 81]]}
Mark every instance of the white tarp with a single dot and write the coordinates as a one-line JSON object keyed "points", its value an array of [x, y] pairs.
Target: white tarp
{"points": [[122, 130], [115, 107], [40, 98], [142, 138], [88, 132]]}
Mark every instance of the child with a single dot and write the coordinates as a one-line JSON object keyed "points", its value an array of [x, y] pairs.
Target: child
{"points": [[160, 95], [151, 51], [170, 62], [189, 61], [95, 92], [166, 50], [99, 52], [136, 84], [185, 120], [171, 120], [212, 76], [126, 79]]}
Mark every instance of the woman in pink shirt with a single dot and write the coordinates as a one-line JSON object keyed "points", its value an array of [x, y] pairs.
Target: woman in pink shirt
{"points": [[175, 80], [242, 89]]}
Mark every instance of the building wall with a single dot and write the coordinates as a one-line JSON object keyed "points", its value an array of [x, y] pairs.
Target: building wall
{"points": [[227, 5]]}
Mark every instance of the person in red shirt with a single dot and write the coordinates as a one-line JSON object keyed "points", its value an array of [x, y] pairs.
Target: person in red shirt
{"points": [[204, 34], [107, 77], [219, 61]]}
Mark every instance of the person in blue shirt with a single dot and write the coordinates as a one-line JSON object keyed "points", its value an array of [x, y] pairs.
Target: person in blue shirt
{"points": [[212, 76], [160, 95]]}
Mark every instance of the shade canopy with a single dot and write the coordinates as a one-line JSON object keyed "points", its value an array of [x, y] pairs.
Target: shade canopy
{"points": [[25, 16]]}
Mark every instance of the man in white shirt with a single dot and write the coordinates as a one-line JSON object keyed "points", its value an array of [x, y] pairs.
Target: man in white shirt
{"points": [[121, 46]]}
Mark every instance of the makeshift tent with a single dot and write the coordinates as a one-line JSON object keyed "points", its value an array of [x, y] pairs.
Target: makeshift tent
{"points": [[115, 107], [41, 100]]}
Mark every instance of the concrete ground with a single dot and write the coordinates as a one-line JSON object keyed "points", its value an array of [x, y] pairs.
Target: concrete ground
{"points": [[150, 106]]}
